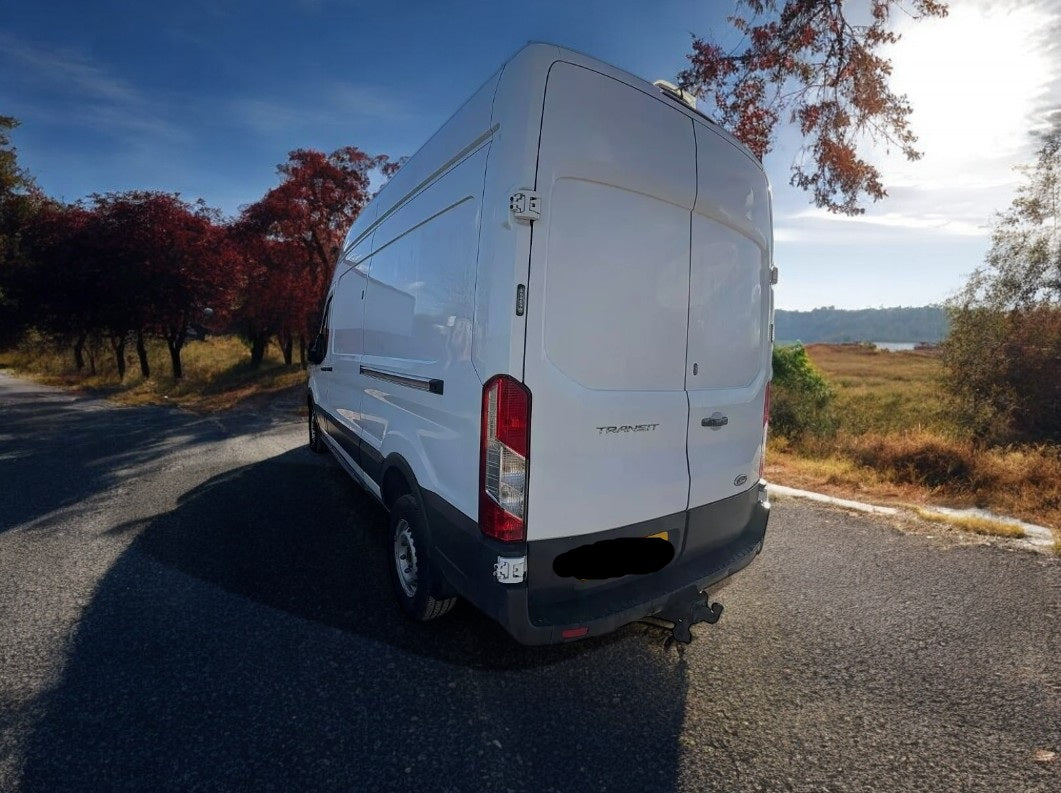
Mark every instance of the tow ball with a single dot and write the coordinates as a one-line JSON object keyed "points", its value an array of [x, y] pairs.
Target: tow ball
{"points": [[679, 617]]}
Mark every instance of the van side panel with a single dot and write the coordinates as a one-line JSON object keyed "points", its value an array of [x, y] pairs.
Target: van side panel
{"points": [[607, 308], [421, 395], [504, 244]]}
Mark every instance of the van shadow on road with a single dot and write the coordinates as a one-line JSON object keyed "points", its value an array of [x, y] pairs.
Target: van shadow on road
{"points": [[248, 640]]}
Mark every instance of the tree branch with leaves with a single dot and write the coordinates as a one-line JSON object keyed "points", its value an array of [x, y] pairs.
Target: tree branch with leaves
{"points": [[818, 63]]}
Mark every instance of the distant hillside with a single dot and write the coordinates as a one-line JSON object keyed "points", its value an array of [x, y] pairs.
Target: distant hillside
{"points": [[926, 323]]}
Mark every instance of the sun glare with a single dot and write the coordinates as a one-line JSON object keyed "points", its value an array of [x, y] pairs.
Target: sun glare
{"points": [[975, 80]]}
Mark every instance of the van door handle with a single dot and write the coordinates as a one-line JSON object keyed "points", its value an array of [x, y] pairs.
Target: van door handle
{"points": [[326, 368], [716, 421]]}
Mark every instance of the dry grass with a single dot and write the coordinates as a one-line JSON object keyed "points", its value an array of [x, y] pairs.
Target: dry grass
{"points": [[973, 523], [897, 444], [882, 391], [217, 375]]}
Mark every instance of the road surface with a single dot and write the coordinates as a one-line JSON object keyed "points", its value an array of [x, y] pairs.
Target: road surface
{"points": [[197, 603]]}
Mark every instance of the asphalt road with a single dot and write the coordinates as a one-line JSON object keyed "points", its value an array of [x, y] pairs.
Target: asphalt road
{"points": [[193, 603]]}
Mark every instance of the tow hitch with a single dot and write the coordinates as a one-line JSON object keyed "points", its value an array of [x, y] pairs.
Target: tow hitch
{"points": [[682, 614]]}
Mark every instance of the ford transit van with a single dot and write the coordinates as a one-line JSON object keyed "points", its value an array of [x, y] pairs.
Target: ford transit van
{"points": [[546, 350]]}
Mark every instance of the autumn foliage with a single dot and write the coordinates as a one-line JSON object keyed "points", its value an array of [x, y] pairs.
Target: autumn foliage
{"points": [[290, 239], [815, 64], [125, 267]]}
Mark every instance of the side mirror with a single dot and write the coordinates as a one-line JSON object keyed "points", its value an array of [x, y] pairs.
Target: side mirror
{"points": [[316, 351]]}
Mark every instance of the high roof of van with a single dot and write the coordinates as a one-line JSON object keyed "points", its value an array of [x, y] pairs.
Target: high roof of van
{"points": [[482, 113]]}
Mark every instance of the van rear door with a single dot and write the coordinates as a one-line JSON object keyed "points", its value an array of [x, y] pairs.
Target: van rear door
{"points": [[728, 364], [608, 304]]}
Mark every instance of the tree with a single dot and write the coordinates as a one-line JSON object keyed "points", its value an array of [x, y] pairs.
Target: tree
{"points": [[300, 225], [54, 278], [1023, 267], [1003, 355], [265, 301], [164, 262], [20, 199], [807, 58]]}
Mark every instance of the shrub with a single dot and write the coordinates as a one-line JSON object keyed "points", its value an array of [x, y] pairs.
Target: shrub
{"points": [[801, 400], [1002, 370], [919, 458]]}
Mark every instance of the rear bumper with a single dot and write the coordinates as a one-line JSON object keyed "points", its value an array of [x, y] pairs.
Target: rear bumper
{"points": [[711, 542]]}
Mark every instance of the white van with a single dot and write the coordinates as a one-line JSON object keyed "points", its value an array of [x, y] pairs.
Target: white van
{"points": [[546, 350]]}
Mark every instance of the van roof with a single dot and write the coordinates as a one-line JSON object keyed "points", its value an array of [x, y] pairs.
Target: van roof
{"points": [[395, 191]]}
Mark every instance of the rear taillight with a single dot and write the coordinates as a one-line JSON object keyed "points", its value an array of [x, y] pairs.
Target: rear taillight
{"points": [[766, 424], [504, 459]]}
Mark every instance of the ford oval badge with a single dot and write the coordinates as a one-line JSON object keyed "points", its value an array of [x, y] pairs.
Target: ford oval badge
{"points": [[740, 480]]}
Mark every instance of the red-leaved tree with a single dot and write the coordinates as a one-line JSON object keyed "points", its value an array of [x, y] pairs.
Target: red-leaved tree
{"points": [[819, 62], [54, 281], [173, 266], [290, 239]]}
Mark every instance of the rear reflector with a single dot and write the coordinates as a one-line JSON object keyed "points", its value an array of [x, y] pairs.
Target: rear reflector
{"points": [[574, 633], [504, 459]]}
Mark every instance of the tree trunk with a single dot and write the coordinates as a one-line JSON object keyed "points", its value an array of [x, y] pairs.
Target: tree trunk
{"points": [[91, 349], [258, 344], [141, 351], [286, 347], [176, 335], [175, 357], [302, 351], [79, 352], [118, 345]]}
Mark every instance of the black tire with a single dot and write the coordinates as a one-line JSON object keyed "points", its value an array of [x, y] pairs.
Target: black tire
{"points": [[413, 574], [316, 442]]}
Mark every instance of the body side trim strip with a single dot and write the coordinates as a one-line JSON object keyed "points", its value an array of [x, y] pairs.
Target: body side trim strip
{"points": [[430, 384]]}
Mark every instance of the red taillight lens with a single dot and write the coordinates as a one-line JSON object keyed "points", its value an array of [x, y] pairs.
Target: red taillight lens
{"points": [[504, 459], [766, 406], [513, 414]]}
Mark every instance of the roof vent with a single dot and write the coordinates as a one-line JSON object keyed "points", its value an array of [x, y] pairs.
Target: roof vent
{"points": [[676, 93]]}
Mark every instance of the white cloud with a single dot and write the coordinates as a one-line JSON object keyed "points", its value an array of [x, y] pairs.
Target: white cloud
{"points": [[981, 81], [88, 94], [331, 106], [936, 222]]}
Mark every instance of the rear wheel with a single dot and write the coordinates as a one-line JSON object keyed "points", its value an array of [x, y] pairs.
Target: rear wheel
{"points": [[412, 572], [316, 442]]}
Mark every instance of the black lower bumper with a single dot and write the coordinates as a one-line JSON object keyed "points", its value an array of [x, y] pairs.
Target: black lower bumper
{"points": [[710, 544]]}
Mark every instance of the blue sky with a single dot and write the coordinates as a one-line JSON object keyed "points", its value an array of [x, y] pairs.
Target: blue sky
{"points": [[205, 98]]}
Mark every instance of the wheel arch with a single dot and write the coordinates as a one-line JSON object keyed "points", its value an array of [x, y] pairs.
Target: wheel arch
{"points": [[398, 479]]}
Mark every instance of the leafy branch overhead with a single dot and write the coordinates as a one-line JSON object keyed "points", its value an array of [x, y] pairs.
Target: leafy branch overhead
{"points": [[819, 62]]}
